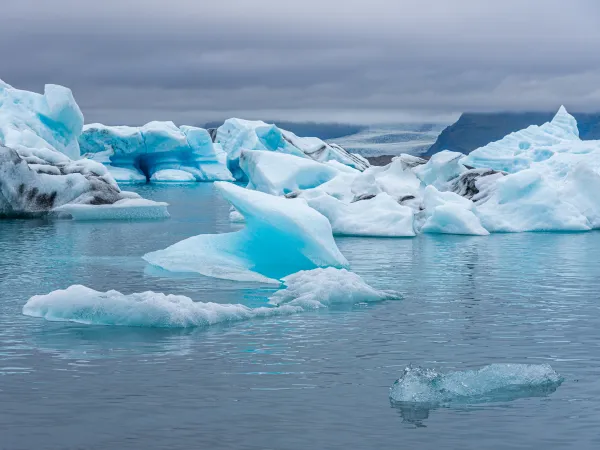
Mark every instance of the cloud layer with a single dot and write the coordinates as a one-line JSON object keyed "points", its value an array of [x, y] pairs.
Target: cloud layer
{"points": [[191, 61]]}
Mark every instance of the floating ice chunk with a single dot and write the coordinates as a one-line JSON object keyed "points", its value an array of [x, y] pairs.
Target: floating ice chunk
{"points": [[443, 167], [156, 150], [526, 201], [449, 213], [379, 215], [305, 291], [496, 382], [279, 174], [126, 209], [517, 151], [324, 287], [147, 309], [282, 236]]}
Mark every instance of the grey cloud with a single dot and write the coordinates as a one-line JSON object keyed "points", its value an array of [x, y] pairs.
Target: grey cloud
{"points": [[193, 61]]}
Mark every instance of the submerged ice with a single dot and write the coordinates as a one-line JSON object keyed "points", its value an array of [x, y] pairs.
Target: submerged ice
{"points": [[305, 291], [496, 382], [282, 236]]}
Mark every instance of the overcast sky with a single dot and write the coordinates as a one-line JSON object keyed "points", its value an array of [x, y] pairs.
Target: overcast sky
{"points": [[191, 61]]}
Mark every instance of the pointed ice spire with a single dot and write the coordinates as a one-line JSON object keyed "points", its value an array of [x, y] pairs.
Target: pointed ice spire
{"points": [[565, 121]]}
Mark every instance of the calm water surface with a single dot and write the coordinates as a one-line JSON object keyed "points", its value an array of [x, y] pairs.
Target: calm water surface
{"points": [[315, 380]]}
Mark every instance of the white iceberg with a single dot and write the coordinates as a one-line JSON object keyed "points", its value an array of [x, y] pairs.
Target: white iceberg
{"points": [[280, 174], [518, 151], [528, 201], [146, 309], [236, 135], [378, 216], [157, 151], [496, 382], [320, 288], [449, 213], [282, 236], [304, 291]]}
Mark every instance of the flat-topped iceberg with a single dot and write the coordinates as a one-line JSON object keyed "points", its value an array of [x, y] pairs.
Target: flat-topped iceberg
{"points": [[38, 137], [305, 291], [156, 152], [236, 135], [496, 382], [282, 236]]}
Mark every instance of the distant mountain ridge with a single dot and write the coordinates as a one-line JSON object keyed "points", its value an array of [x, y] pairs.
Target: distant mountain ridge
{"points": [[474, 130]]}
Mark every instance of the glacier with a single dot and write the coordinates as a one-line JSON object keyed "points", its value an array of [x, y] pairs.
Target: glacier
{"points": [[496, 382], [236, 135], [39, 169], [155, 152], [537, 179], [282, 236], [304, 291]]}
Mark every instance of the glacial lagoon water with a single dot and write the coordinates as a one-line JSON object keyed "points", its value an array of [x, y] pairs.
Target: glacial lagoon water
{"points": [[313, 380]]}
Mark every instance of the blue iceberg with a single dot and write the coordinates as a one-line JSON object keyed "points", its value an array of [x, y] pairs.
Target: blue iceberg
{"points": [[282, 236], [156, 152]]}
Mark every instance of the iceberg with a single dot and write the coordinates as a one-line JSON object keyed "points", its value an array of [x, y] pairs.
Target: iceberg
{"points": [[378, 216], [518, 151], [282, 236], [496, 382], [157, 151], [449, 213], [236, 135], [320, 288], [38, 125], [528, 201], [280, 174], [81, 304], [305, 291], [38, 137]]}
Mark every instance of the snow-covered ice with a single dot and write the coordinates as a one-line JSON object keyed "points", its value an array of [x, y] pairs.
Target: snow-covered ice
{"points": [[496, 382], [320, 288], [282, 236], [304, 291], [157, 151], [146, 309]]}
